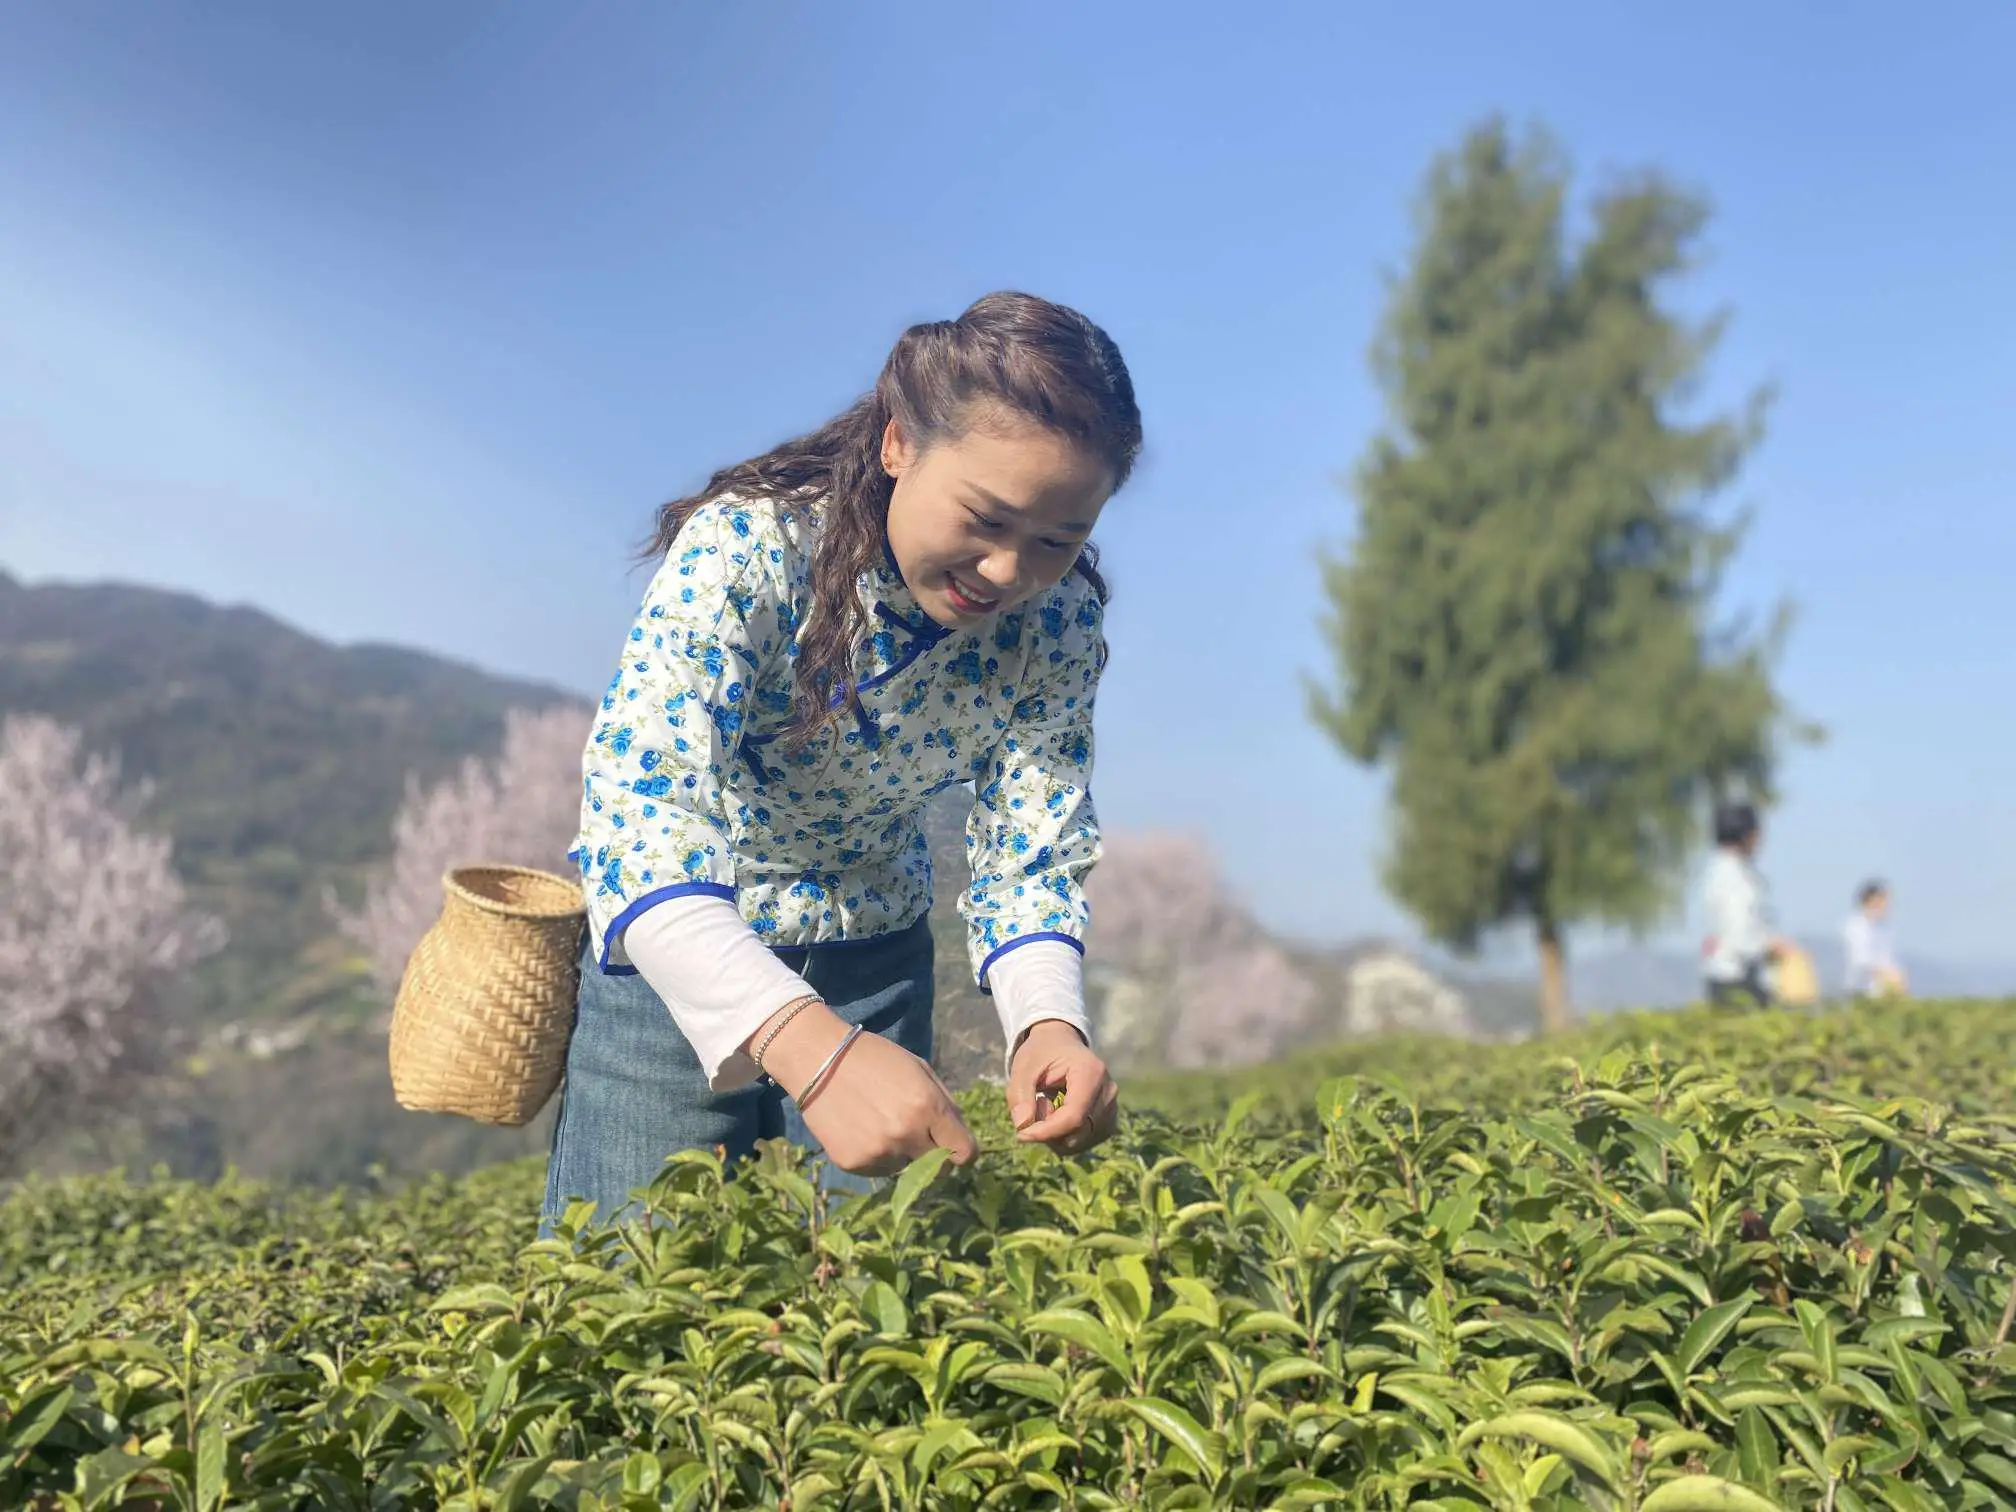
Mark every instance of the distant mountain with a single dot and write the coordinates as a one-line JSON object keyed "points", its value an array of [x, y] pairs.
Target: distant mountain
{"points": [[277, 759]]}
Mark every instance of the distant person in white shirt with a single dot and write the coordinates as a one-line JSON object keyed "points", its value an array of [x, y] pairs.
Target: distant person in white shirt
{"points": [[1740, 947], [1872, 955]]}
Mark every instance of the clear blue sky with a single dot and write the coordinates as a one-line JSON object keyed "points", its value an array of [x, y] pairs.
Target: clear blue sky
{"points": [[396, 320]]}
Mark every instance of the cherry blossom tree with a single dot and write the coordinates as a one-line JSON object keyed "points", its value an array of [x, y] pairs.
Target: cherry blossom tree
{"points": [[1208, 987], [1238, 1004], [94, 923], [520, 808]]}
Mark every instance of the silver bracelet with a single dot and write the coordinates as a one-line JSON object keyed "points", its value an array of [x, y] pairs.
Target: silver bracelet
{"points": [[794, 1008], [832, 1060]]}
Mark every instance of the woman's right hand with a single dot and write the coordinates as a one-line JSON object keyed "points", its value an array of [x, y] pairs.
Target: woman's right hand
{"points": [[877, 1110]]}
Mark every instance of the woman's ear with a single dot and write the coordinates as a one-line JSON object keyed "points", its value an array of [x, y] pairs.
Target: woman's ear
{"points": [[897, 453]]}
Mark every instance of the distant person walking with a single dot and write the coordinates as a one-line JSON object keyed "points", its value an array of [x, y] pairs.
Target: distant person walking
{"points": [[1872, 954], [1738, 954]]}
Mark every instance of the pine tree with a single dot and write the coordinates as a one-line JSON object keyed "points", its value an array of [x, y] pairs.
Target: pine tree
{"points": [[1523, 631]]}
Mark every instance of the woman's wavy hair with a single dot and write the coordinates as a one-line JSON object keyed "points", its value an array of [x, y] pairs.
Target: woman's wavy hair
{"points": [[1009, 354]]}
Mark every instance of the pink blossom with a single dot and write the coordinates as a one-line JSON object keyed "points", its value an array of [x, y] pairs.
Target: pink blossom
{"points": [[1161, 914], [93, 922], [521, 808]]}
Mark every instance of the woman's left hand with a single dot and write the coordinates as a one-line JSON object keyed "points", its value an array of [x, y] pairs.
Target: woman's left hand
{"points": [[1052, 1058]]}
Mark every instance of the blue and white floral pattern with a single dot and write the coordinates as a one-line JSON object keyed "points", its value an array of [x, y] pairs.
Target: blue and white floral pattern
{"points": [[685, 787]]}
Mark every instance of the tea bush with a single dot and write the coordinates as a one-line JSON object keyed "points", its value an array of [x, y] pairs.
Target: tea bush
{"points": [[1722, 1263], [1944, 1051]]}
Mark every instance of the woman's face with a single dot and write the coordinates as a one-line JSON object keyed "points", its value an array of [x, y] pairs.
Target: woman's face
{"points": [[988, 521]]}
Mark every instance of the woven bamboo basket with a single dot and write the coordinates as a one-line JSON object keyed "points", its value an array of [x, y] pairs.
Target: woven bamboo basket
{"points": [[486, 1003]]}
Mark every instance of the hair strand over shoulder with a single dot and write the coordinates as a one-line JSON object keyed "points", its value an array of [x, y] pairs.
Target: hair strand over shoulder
{"points": [[1009, 354]]}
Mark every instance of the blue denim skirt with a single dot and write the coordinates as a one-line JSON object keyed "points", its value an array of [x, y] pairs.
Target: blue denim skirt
{"points": [[634, 1093]]}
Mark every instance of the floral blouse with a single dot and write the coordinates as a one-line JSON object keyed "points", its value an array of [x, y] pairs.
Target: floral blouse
{"points": [[685, 788]]}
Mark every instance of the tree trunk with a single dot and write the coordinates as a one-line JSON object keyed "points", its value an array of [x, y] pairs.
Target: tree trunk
{"points": [[1555, 1015]]}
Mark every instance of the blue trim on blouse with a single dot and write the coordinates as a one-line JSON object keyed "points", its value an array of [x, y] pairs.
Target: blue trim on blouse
{"points": [[785, 953], [657, 895], [1029, 939], [924, 635]]}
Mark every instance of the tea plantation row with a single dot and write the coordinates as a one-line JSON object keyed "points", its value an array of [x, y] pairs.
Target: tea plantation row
{"points": [[1699, 1262]]}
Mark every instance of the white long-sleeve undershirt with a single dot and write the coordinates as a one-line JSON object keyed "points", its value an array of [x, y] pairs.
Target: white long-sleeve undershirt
{"points": [[721, 982]]}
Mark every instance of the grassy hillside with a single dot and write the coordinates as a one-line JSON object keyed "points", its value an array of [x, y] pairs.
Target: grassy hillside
{"points": [[1739, 1263]]}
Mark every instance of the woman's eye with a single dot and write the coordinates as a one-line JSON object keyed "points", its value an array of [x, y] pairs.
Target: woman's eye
{"points": [[985, 523]]}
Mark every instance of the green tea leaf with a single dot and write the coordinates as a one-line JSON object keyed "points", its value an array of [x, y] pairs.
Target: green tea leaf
{"points": [[915, 1177], [690, 1486], [1292, 1368], [518, 1486], [1819, 1332], [1204, 1448], [1841, 1451], [1079, 1327], [1563, 1435], [1903, 1496], [1704, 1493], [1665, 1446], [1994, 1466], [1305, 1493], [210, 1466], [1902, 1330], [1757, 1448], [1706, 1333], [1038, 1381], [479, 1299], [40, 1411], [885, 1310], [1263, 1321], [1538, 1474]]}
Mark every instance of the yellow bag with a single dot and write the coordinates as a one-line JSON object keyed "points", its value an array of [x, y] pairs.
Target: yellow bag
{"points": [[1797, 984], [486, 1003]]}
